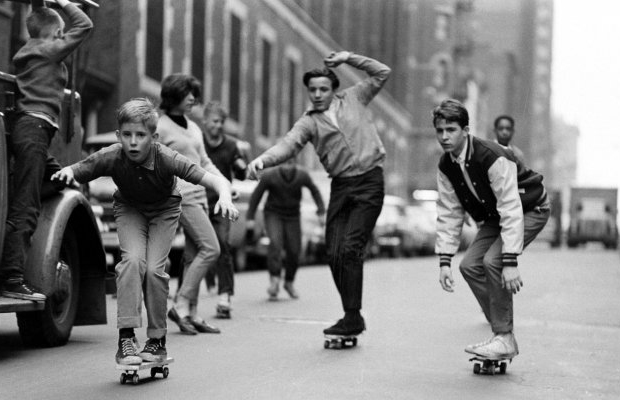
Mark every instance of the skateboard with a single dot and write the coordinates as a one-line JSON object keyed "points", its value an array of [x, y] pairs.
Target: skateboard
{"points": [[156, 367], [340, 341], [488, 366], [222, 312]]}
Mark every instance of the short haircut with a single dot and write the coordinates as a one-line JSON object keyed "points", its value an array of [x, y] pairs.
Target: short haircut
{"points": [[319, 73], [139, 110], [41, 21], [215, 107], [176, 87], [507, 118], [452, 111]]}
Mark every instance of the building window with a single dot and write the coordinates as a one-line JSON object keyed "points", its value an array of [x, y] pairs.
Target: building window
{"points": [[265, 106], [235, 67], [291, 92], [442, 27], [198, 39], [154, 66]]}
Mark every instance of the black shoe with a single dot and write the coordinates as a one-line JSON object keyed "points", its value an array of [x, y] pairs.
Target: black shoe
{"points": [[127, 353], [21, 290], [185, 323], [203, 327], [347, 326], [154, 350]]}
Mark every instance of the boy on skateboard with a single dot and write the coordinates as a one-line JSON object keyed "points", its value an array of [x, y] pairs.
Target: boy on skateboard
{"points": [[146, 210], [508, 201], [340, 127]]}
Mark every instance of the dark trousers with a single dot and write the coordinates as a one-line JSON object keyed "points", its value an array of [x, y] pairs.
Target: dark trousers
{"points": [[29, 144], [225, 269], [284, 234], [354, 206]]}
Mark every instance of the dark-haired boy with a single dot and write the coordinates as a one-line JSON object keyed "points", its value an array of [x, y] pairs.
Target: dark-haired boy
{"points": [[340, 127], [508, 200], [41, 78]]}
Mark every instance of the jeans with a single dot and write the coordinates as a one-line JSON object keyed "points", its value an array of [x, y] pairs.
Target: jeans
{"points": [[354, 206], [33, 165], [202, 249], [225, 269], [482, 268], [284, 234], [145, 239]]}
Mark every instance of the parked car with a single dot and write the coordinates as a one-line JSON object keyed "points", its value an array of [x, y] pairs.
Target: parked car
{"points": [[391, 229]]}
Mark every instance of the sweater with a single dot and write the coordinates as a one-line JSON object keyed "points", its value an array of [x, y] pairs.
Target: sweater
{"points": [[147, 186], [41, 75], [284, 194], [188, 142]]}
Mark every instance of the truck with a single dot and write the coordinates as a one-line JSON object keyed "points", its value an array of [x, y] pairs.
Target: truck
{"points": [[593, 212], [66, 260]]}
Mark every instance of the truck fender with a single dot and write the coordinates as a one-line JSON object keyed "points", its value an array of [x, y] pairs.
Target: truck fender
{"points": [[69, 212]]}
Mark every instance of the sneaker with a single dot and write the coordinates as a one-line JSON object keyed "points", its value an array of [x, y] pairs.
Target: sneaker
{"points": [[290, 289], [127, 353], [471, 347], [21, 290], [502, 345], [154, 350], [202, 326], [185, 323], [274, 287]]}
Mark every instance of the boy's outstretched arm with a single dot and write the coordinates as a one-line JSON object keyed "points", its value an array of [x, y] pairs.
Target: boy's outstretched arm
{"points": [[224, 190], [65, 175]]}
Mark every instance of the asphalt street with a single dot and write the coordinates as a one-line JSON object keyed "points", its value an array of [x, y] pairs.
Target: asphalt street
{"points": [[567, 320]]}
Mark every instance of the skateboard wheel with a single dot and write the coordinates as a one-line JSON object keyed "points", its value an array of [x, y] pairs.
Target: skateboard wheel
{"points": [[326, 344], [153, 372], [476, 368], [165, 372], [354, 342], [123, 378], [502, 368], [135, 379]]}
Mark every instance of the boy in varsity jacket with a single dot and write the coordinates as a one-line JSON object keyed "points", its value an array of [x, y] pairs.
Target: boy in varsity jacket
{"points": [[510, 204]]}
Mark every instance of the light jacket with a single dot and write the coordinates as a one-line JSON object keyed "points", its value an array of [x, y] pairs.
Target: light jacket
{"points": [[353, 147]]}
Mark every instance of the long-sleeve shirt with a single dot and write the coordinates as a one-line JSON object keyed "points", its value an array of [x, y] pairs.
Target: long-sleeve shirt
{"points": [[224, 156], [284, 194], [148, 186], [188, 142], [489, 183], [349, 147], [41, 75]]}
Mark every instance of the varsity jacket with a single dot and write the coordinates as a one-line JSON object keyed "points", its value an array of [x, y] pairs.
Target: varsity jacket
{"points": [[504, 190]]}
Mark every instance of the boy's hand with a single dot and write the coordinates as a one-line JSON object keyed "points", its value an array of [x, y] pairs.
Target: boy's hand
{"points": [[335, 59], [65, 175], [511, 279], [254, 167], [445, 279], [227, 208]]}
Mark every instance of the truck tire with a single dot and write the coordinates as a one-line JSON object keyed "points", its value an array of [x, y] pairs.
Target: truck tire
{"points": [[4, 195], [52, 326]]}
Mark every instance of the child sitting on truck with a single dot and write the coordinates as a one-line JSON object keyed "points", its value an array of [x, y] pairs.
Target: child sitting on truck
{"points": [[41, 78], [147, 206]]}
